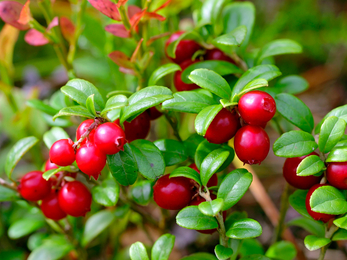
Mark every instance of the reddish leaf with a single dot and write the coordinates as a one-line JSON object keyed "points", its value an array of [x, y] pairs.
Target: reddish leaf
{"points": [[118, 30], [35, 38], [132, 10], [162, 6], [107, 8], [134, 21], [121, 2], [10, 12], [25, 15], [67, 28], [127, 71], [133, 57], [152, 15], [121, 59], [53, 23]]}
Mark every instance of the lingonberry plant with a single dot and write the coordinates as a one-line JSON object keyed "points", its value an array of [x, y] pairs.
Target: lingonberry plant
{"points": [[116, 167]]}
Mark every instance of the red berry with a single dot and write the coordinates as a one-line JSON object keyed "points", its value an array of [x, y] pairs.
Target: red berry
{"points": [[154, 113], [172, 193], [82, 128], [33, 187], [251, 144], [62, 152], [50, 166], [216, 54], [337, 175], [299, 182], [213, 180], [223, 127], [90, 159], [178, 82], [75, 199], [257, 107], [50, 207], [315, 215], [185, 49], [109, 138], [138, 128]]}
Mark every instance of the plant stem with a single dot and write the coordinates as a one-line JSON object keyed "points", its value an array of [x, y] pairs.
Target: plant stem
{"points": [[173, 125], [239, 62], [328, 234], [283, 211], [97, 121], [8, 185]]}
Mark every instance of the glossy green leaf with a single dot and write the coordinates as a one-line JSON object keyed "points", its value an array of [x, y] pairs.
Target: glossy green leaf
{"points": [[115, 102], [16, 153], [282, 250], [35, 240], [106, 194], [191, 218], [8, 194], [186, 172], [24, 226], [96, 224], [295, 111], [234, 186], [162, 72], [172, 150], [90, 105], [256, 257], [254, 84], [341, 222], [340, 234], [313, 243], [294, 144], [251, 246], [200, 256], [210, 11], [314, 227], [331, 132], [148, 92], [138, 251], [142, 192], [292, 84], [244, 228], [162, 247], [205, 118], [123, 166], [297, 201], [74, 111], [231, 39], [310, 166], [223, 253], [227, 103], [338, 155], [340, 112], [53, 135], [149, 159], [235, 215], [192, 143], [211, 208], [40, 105], [48, 174]]}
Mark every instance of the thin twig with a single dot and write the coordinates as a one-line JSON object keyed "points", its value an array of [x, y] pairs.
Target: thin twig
{"points": [[8, 185], [97, 121]]}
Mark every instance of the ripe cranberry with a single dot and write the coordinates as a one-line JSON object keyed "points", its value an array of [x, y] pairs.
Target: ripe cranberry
{"points": [[75, 199], [337, 175], [50, 207], [153, 113], [138, 128], [82, 128], [54, 179], [179, 84], [251, 144], [315, 215], [33, 187], [109, 138], [213, 180], [223, 127], [185, 49], [216, 54], [62, 153], [172, 193], [50, 166], [90, 159], [257, 107], [299, 182]]}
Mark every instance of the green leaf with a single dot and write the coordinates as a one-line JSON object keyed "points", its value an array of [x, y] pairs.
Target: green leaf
{"points": [[337, 155], [212, 162], [278, 47], [210, 80], [192, 143], [314, 227], [282, 250], [211, 208], [340, 234], [234, 186], [244, 228], [38, 104], [162, 247], [191, 218], [235, 215], [115, 102], [205, 118], [310, 166], [138, 251], [211, 11], [266, 72], [340, 112], [223, 253], [53, 135], [50, 173], [292, 84], [106, 194], [188, 102], [16, 153], [341, 222], [162, 72], [35, 240], [90, 105], [200, 256], [297, 201], [295, 111], [24, 226], [254, 84], [251, 246], [142, 192], [331, 132], [186, 172], [294, 144], [329, 200], [231, 39], [172, 150], [8, 194], [96, 224], [123, 166], [149, 159], [79, 90], [227, 103], [255, 257], [74, 111], [191, 35], [313, 243]]}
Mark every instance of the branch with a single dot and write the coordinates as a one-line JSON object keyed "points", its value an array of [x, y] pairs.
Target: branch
{"points": [[8, 185]]}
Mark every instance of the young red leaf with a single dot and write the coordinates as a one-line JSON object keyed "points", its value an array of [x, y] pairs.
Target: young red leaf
{"points": [[132, 10], [10, 13], [35, 38], [162, 6], [107, 8], [127, 71], [121, 59], [25, 15], [118, 30], [134, 21], [67, 28], [152, 15], [121, 2], [133, 57], [53, 23]]}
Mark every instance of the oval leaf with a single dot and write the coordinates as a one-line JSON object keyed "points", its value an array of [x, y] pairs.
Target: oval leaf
{"points": [[172, 150], [223, 253], [211, 208], [231, 39], [53, 135], [331, 132], [244, 228], [338, 155], [138, 251], [162, 72], [142, 192], [310, 166], [205, 118], [23, 227], [191, 218], [313, 243], [74, 111], [162, 247], [90, 105], [106, 194], [186, 172]]}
